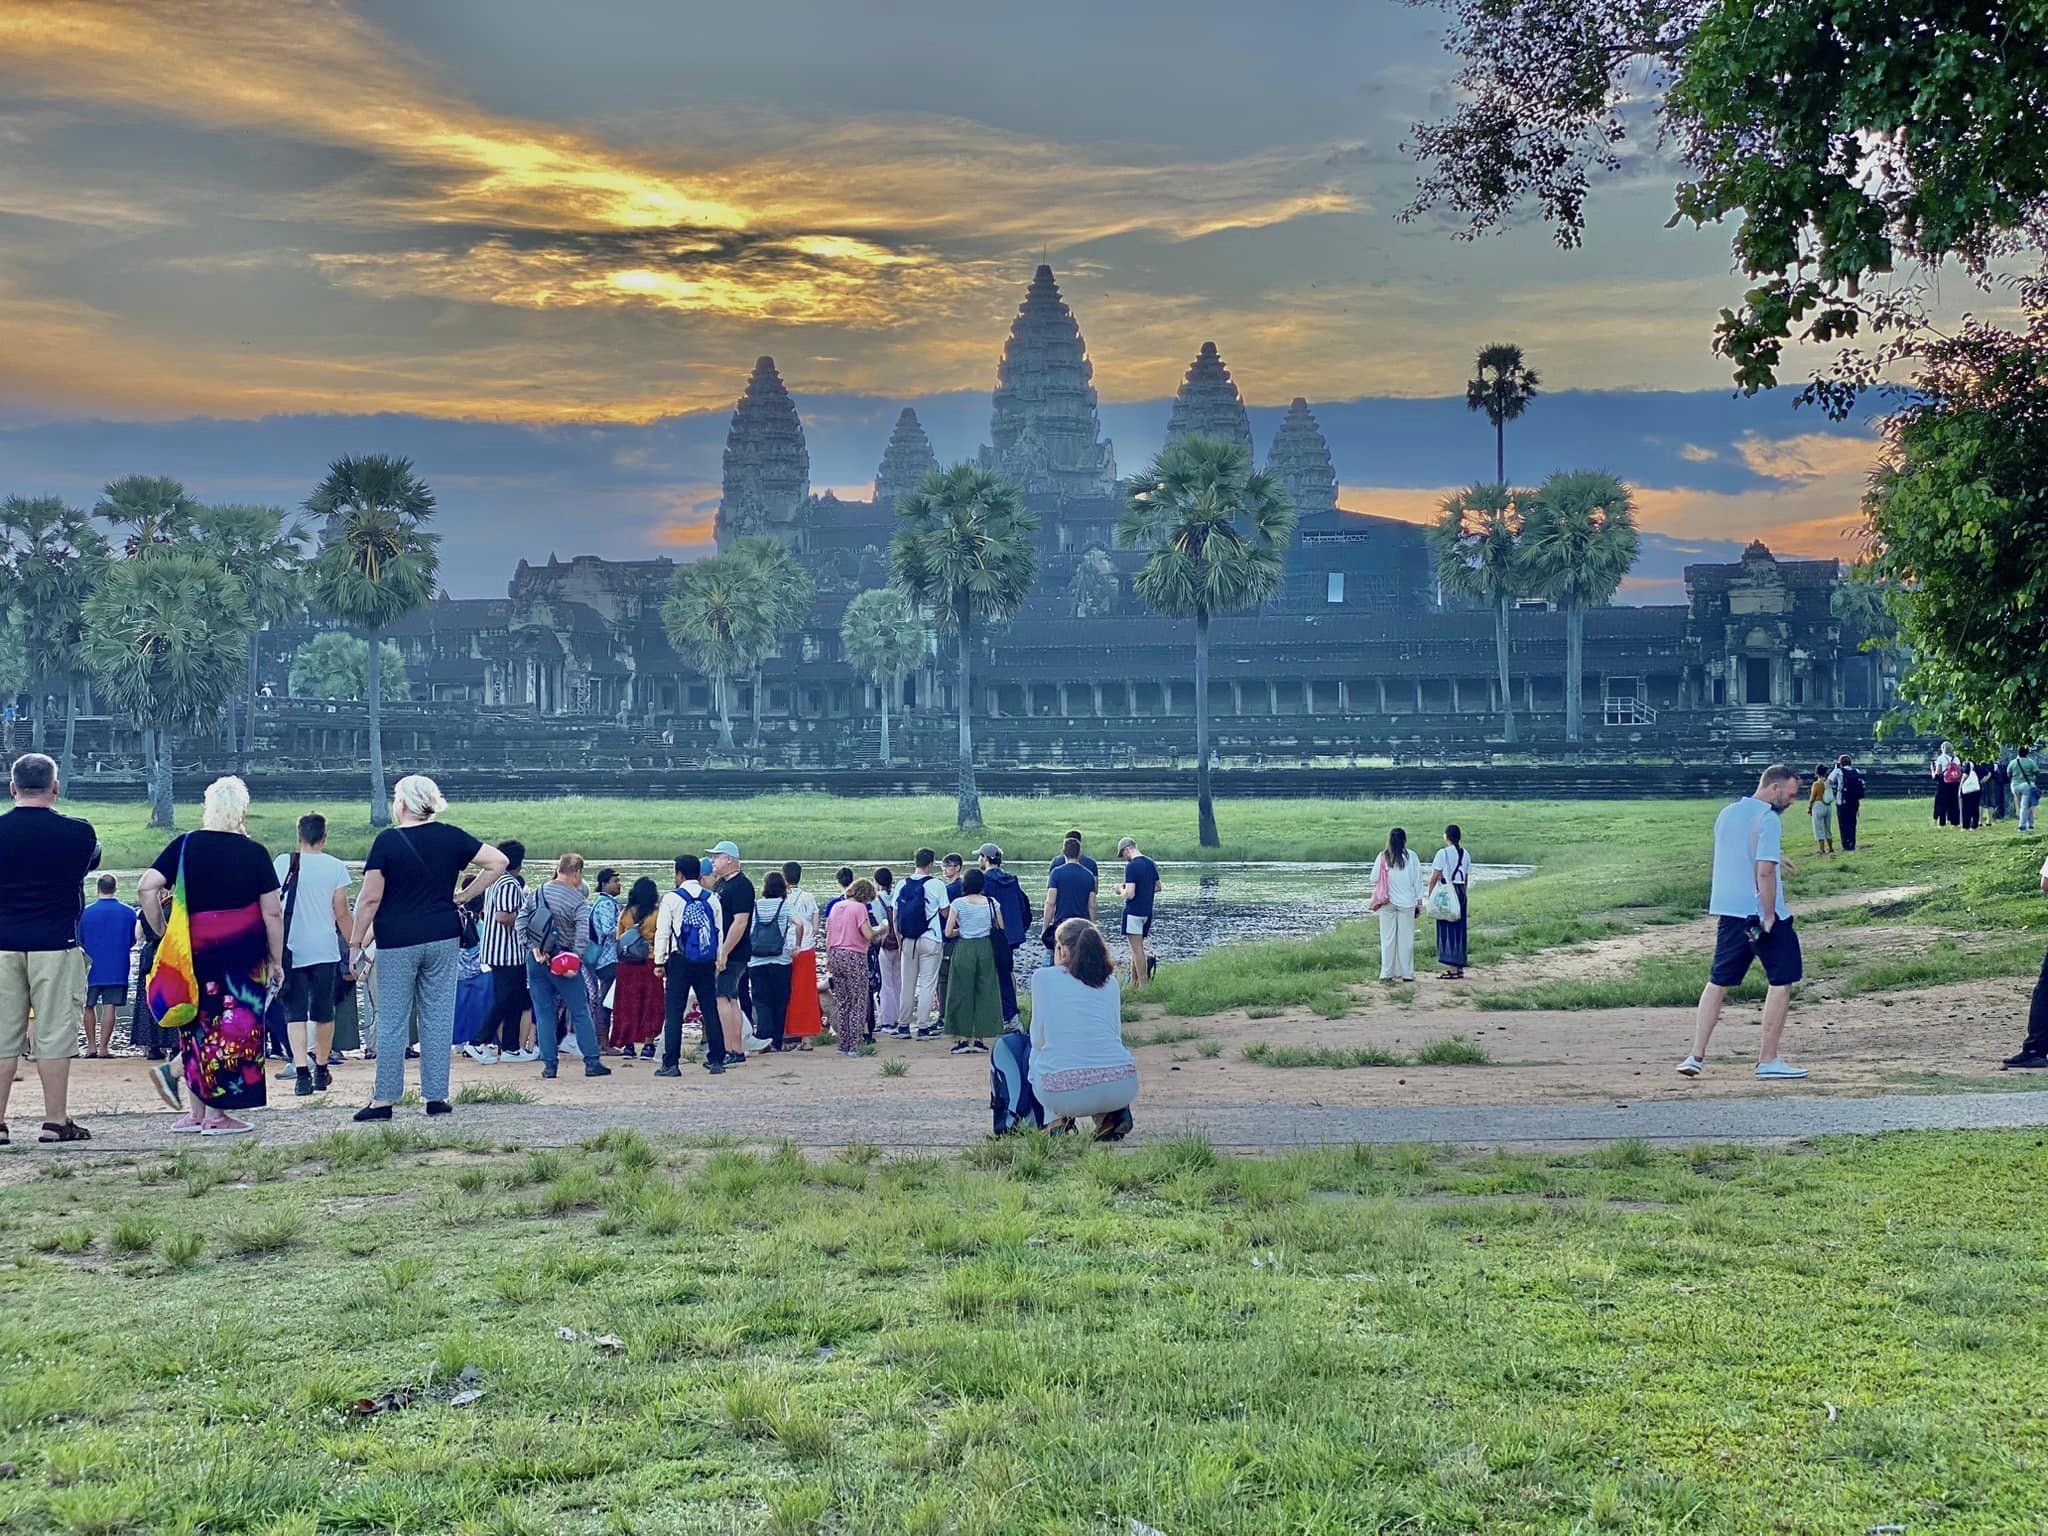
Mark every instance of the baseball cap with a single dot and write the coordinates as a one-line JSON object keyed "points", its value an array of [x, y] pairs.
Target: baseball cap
{"points": [[729, 849], [1129, 842], [988, 851]]}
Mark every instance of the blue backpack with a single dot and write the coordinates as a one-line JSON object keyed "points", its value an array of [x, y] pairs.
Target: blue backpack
{"points": [[700, 934], [912, 919]]}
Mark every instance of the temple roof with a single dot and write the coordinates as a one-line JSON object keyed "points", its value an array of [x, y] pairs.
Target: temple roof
{"points": [[907, 460], [1301, 459], [1044, 431], [1208, 404], [767, 465]]}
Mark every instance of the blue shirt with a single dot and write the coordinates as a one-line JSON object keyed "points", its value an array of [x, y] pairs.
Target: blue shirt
{"points": [[1071, 886], [1142, 875], [107, 930], [1746, 834]]}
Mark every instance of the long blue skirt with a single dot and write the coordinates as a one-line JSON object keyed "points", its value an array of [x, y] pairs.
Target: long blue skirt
{"points": [[1450, 937]]}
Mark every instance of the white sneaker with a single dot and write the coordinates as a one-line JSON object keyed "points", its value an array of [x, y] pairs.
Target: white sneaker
{"points": [[1779, 1067], [519, 1056], [487, 1054], [1692, 1066]]}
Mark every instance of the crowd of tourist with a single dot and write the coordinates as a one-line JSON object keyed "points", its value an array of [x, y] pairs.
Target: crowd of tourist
{"points": [[1968, 791]]}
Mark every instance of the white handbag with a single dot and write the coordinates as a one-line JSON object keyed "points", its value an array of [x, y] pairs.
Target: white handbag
{"points": [[1443, 903]]}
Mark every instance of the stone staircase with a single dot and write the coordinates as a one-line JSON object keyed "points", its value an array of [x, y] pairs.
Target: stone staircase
{"points": [[1750, 722]]}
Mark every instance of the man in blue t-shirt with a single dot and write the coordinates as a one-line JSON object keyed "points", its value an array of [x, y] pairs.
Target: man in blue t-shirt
{"points": [[1069, 890], [1141, 885], [106, 931], [1755, 924]]}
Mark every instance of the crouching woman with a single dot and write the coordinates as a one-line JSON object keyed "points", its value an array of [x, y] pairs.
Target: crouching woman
{"points": [[1076, 1063]]}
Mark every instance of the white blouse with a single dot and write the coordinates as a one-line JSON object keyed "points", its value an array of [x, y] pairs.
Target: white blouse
{"points": [[1454, 864], [1405, 881]]}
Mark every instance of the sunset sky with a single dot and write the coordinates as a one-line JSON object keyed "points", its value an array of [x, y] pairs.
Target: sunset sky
{"points": [[538, 247]]}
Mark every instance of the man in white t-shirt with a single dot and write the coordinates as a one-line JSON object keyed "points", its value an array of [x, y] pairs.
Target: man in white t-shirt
{"points": [[316, 886], [1755, 924], [920, 955]]}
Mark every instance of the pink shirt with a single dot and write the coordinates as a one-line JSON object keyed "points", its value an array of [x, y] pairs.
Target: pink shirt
{"points": [[847, 927]]}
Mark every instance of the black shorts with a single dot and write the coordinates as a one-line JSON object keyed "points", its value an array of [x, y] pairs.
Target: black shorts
{"points": [[1778, 951], [729, 979], [309, 993], [107, 995]]}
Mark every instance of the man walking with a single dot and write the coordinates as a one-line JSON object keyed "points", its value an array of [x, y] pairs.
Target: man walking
{"points": [[1755, 924], [1849, 787], [921, 906], [1141, 885], [107, 932], [1007, 892], [687, 926], [500, 951], [736, 900], [44, 859], [1069, 889], [1074, 837], [2026, 786], [316, 886]]}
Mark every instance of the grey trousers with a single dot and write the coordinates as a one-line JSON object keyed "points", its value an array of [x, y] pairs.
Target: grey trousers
{"points": [[419, 977]]}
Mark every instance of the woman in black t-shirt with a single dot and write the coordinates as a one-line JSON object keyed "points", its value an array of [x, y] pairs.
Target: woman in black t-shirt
{"points": [[213, 980], [409, 904]]}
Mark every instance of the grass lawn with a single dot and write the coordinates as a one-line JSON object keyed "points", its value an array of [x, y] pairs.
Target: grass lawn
{"points": [[1040, 1337]]}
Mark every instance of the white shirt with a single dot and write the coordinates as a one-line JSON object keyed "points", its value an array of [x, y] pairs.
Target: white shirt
{"points": [[313, 940], [1454, 864], [668, 919], [803, 908], [1074, 1026], [1404, 884]]}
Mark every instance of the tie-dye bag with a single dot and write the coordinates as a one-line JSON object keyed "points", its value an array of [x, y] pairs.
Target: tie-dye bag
{"points": [[173, 986]]}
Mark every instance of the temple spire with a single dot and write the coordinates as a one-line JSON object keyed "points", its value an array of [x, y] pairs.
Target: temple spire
{"points": [[907, 460], [1208, 404], [767, 466], [1044, 430], [1301, 459]]}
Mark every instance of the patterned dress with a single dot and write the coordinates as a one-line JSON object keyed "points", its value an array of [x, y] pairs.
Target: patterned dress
{"points": [[212, 970]]}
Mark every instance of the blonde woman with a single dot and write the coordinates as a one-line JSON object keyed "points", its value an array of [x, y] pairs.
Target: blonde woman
{"points": [[409, 904], [214, 991]]}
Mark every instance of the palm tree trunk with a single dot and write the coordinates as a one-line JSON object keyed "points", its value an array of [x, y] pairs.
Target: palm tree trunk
{"points": [[64, 758], [1500, 642], [1205, 804], [1500, 453], [724, 711], [1574, 672], [757, 706], [35, 715], [249, 719], [886, 755], [156, 756], [380, 809], [970, 796]]}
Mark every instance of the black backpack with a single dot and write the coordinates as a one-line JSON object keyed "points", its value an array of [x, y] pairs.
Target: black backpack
{"points": [[765, 936], [912, 920], [1852, 787]]}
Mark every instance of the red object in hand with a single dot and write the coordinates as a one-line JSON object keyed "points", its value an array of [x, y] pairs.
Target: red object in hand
{"points": [[567, 963]]}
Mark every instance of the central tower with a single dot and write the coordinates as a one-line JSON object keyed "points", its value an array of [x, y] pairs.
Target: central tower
{"points": [[767, 466], [1044, 430]]}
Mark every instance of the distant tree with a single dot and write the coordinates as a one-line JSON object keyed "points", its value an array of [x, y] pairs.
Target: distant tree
{"points": [[154, 510], [884, 639], [791, 597], [266, 552], [1214, 535], [337, 666], [379, 564], [51, 557], [718, 618], [1578, 543], [1478, 543], [1954, 519], [964, 553], [164, 636], [1502, 386]]}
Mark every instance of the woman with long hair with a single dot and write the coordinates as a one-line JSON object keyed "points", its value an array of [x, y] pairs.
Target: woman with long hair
{"points": [[1821, 803], [888, 952], [637, 997], [768, 967], [1397, 895], [219, 961], [1074, 1062], [1451, 867], [410, 906], [850, 932], [974, 1000]]}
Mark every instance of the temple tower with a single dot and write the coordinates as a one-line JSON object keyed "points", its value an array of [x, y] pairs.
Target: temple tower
{"points": [[767, 466], [1301, 460], [1044, 430], [907, 460], [1207, 403]]}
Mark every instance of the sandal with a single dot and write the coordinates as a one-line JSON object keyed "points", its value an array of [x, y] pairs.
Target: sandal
{"points": [[70, 1130]]}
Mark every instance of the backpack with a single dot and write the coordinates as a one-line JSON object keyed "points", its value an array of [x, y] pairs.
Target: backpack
{"points": [[1952, 774], [633, 945], [1852, 787], [913, 921], [699, 933], [537, 924], [766, 936]]}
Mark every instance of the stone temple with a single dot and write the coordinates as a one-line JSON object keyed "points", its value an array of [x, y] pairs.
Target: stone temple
{"points": [[1355, 656]]}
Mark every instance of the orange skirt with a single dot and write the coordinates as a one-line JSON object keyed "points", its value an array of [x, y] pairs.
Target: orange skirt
{"points": [[804, 1018]]}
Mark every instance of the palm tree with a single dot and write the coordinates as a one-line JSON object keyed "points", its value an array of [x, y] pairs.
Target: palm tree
{"points": [[154, 509], [791, 596], [1215, 538], [718, 618], [377, 564], [266, 554], [883, 637], [51, 558], [1503, 388], [1478, 543], [964, 551], [164, 634], [1579, 542]]}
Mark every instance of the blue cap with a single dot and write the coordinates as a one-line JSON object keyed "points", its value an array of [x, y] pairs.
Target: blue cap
{"points": [[730, 850]]}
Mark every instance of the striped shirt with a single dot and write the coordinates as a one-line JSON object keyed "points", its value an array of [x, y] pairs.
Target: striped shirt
{"points": [[501, 944]]}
